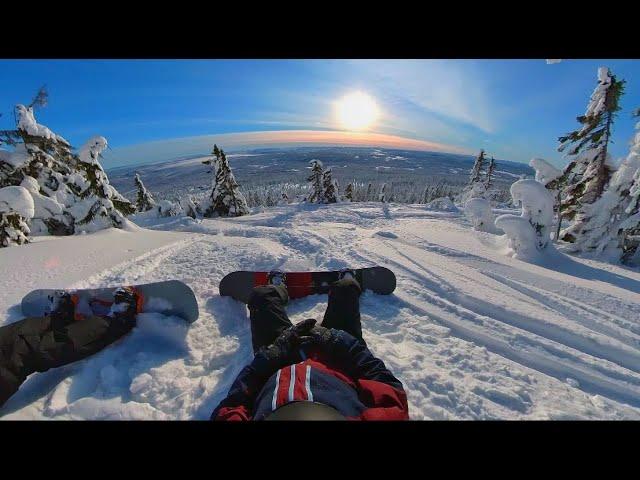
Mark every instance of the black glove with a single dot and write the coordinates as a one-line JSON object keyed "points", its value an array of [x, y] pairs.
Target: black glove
{"points": [[285, 349]]}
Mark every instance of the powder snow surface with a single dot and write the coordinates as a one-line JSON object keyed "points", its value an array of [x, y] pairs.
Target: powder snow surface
{"points": [[471, 332]]}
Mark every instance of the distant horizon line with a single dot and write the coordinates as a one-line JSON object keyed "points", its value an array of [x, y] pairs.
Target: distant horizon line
{"points": [[181, 147]]}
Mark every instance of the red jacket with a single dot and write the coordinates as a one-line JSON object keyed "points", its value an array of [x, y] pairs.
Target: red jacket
{"points": [[355, 383]]}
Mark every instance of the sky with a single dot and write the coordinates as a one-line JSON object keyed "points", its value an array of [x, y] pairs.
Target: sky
{"points": [[156, 110]]}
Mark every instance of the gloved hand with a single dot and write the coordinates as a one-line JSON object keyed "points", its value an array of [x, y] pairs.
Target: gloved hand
{"points": [[285, 349]]}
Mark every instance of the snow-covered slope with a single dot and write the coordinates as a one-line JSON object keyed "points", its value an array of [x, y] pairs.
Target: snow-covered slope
{"points": [[471, 332]]}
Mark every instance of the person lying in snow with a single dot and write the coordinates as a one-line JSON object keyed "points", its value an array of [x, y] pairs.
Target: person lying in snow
{"points": [[311, 372], [37, 344]]}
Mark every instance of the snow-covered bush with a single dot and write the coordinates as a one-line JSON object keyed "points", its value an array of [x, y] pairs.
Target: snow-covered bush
{"points": [[16, 209], [188, 207], [165, 208], [529, 233], [478, 210], [537, 207], [444, 204], [521, 236]]}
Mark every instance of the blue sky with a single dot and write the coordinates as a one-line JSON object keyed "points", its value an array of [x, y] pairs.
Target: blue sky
{"points": [[514, 109]]}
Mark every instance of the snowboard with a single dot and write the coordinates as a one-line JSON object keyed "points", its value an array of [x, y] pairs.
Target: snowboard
{"points": [[239, 285], [171, 297]]}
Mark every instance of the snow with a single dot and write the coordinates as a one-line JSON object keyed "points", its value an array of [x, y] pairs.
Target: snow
{"points": [[537, 206], [17, 158], [545, 172], [18, 200], [27, 122], [90, 151], [471, 333], [442, 203], [478, 210]]}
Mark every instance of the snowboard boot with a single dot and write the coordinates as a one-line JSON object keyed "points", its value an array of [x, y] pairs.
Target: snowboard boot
{"points": [[276, 277], [125, 305], [346, 273], [62, 309]]}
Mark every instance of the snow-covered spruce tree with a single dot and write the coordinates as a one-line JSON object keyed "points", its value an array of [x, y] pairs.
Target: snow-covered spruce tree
{"points": [[585, 178], [284, 198], [383, 193], [144, 201], [476, 187], [16, 209], [348, 192], [70, 192], [98, 205], [226, 198], [625, 237], [316, 180], [208, 203], [488, 180], [329, 187], [369, 194]]}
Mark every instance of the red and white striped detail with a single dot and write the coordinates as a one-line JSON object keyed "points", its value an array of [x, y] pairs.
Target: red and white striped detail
{"points": [[293, 383]]}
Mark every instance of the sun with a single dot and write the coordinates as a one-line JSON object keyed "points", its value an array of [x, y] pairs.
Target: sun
{"points": [[357, 111]]}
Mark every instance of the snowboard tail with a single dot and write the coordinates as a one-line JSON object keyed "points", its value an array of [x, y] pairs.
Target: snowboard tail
{"points": [[240, 284], [171, 297]]}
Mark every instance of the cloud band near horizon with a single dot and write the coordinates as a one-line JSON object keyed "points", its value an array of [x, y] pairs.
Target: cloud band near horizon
{"points": [[165, 150]]}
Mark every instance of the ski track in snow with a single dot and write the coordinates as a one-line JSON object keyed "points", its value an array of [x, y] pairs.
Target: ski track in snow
{"points": [[471, 333]]}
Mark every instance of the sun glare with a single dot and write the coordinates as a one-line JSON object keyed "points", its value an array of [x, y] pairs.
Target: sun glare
{"points": [[357, 111]]}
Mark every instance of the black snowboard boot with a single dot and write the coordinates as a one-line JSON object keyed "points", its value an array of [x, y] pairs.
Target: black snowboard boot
{"points": [[62, 309], [125, 305], [276, 277]]}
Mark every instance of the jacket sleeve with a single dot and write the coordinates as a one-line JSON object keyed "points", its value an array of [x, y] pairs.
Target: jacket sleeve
{"points": [[239, 402], [378, 388]]}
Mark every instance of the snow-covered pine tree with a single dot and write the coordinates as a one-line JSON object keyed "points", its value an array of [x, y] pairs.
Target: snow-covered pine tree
{"points": [[227, 200], [628, 231], [284, 198], [316, 180], [369, 193], [476, 187], [99, 204], [69, 191], [329, 187], [383, 193], [585, 178], [488, 183], [208, 203], [145, 201], [348, 192]]}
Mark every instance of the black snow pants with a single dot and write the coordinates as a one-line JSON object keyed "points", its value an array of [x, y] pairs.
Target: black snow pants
{"points": [[37, 344], [269, 317]]}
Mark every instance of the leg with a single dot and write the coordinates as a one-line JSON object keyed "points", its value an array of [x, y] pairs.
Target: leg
{"points": [[267, 314], [343, 310], [36, 345]]}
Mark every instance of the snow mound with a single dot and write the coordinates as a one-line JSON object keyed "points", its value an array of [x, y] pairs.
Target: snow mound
{"points": [[444, 204], [521, 236], [478, 210], [18, 200]]}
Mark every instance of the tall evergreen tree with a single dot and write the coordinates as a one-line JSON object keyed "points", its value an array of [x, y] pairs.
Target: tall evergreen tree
{"points": [[329, 187], [348, 192], [586, 176], [476, 187], [145, 200], [383, 193], [489, 176], [316, 180], [226, 198]]}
